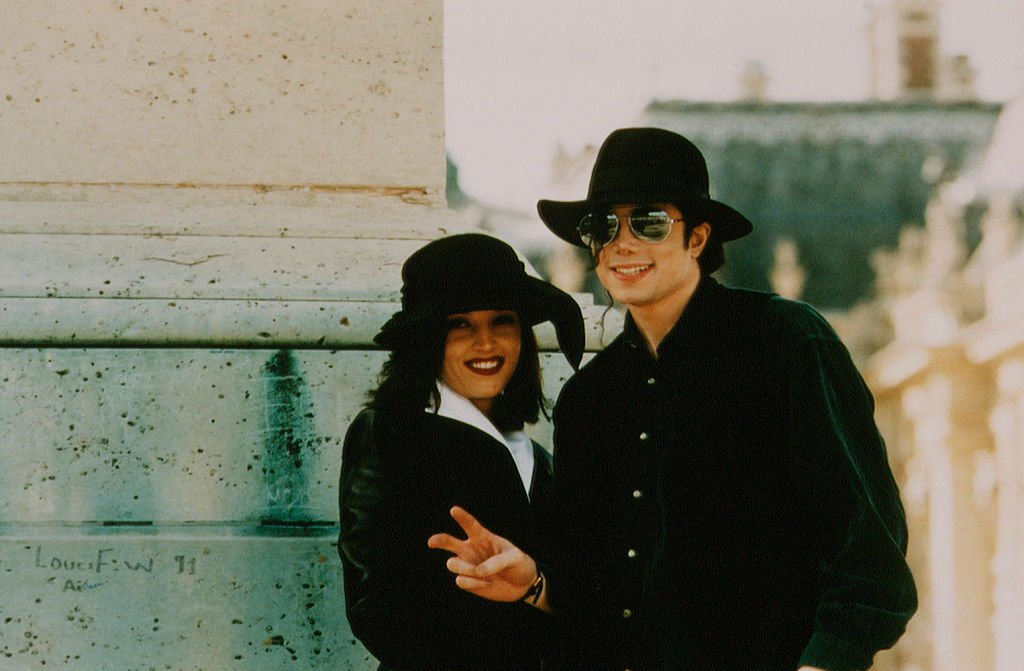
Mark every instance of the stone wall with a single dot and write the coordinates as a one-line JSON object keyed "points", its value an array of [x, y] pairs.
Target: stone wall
{"points": [[204, 208]]}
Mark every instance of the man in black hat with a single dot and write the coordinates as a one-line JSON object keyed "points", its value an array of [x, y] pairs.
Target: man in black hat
{"points": [[723, 496]]}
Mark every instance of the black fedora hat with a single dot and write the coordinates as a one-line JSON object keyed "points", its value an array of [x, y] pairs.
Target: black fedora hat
{"points": [[646, 165], [473, 271]]}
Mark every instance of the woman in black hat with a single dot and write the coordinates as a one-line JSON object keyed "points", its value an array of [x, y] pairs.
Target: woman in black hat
{"points": [[443, 428]]}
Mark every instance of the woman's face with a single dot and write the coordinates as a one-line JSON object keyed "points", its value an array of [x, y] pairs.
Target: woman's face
{"points": [[481, 352]]}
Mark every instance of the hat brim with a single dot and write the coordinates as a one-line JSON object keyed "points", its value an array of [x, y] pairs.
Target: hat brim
{"points": [[534, 300], [562, 217]]}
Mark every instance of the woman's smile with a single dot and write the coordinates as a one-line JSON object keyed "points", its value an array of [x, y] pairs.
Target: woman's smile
{"points": [[481, 353], [489, 366]]}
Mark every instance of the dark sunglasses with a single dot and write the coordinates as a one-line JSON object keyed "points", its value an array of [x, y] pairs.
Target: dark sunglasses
{"points": [[649, 223]]}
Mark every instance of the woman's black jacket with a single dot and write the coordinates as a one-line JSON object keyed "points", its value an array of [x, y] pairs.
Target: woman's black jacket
{"points": [[400, 476]]}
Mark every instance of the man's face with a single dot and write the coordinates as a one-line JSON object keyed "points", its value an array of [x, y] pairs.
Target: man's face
{"points": [[646, 275]]}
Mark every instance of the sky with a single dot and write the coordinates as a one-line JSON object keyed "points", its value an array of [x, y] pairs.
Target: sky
{"points": [[522, 76]]}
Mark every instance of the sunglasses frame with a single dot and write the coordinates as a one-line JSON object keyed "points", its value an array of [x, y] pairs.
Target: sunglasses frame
{"points": [[595, 246]]}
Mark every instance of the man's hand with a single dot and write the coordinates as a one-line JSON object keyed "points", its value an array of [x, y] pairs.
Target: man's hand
{"points": [[485, 564]]}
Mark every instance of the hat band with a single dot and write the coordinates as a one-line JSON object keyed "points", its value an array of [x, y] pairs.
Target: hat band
{"points": [[623, 195]]}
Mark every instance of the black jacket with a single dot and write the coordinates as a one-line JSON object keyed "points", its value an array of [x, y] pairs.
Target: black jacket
{"points": [[399, 478], [728, 505]]}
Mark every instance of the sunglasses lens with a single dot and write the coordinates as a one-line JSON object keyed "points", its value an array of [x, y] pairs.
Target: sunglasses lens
{"points": [[650, 224], [597, 230]]}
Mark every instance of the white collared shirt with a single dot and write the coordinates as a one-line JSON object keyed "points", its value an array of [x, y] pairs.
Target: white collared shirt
{"points": [[461, 409]]}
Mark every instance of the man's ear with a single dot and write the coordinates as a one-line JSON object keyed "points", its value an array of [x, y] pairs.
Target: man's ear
{"points": [[698, 238]]}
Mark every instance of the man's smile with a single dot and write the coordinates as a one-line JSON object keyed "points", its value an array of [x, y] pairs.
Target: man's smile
{"points": [[631, 270]]}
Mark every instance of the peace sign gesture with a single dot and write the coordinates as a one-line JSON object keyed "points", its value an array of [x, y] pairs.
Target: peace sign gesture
{"points": [[486, 564]]}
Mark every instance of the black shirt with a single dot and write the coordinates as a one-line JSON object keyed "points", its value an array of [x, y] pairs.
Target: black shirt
{"points": [[728, 504]]}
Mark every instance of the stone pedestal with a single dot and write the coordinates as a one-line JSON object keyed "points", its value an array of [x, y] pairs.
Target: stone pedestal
{"points": [[204, 207]]}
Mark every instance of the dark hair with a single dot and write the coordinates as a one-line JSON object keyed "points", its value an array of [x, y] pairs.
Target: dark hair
{"points": [[712, 257], [407, 381]]}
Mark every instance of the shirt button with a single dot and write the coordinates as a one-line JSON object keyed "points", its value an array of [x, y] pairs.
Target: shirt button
{"points": [[650, 380], [637, 493], [643, 435], [631, 554], [627, 613]]}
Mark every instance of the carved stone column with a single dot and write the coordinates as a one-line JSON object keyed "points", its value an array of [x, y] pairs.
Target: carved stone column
{"points": [[947, 407], [997, 343], [1008, 430], [203, 210]]}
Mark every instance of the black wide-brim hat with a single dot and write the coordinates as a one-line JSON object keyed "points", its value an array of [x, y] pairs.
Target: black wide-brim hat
{"points": [[646, 165], [472, 271]]}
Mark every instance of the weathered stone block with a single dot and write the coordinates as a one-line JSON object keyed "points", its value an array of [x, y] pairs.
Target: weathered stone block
{"points": [[343, 94], [177, 508], [173, 598]]}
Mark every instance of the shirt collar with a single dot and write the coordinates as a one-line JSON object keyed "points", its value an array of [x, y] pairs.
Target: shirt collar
{"points": [[693, 318], [455, 406], [459, 408]]}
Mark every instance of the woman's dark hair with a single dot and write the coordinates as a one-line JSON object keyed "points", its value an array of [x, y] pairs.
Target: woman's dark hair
{"points": [[523, 399], [407, 381]]}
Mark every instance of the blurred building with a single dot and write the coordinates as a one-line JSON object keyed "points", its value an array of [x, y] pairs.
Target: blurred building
{"points": [[950, 391], [901, 217], [905, 57], [834, 180], [837, 180]]}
